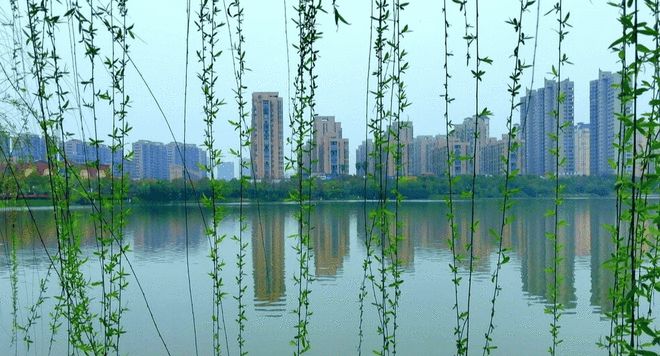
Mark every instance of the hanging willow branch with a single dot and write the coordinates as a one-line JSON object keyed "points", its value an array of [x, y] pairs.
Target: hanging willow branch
{"points": [[614, 340], [111, 229], [397, 107], [635, 235], [209, 25], [556, 307], [509, 173], [450, 159], [367, 274], [74, 305], [186, 174], [302, 126], [479, 114], [380, 229], [235, 12]]}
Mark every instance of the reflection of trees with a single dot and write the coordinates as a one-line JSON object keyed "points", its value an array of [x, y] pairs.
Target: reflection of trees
{"points": [[330, 238], [163, 228], [27, 234], [151, 229], [268, 257]]}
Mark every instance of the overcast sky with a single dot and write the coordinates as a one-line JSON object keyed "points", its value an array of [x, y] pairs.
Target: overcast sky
{"points": [[159, 51]]}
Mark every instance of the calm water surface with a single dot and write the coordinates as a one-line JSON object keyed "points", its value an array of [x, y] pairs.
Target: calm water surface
{"points": [[426, 318]]}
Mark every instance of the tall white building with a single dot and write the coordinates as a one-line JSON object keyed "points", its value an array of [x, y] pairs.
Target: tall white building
{"points": [[538, 119]]}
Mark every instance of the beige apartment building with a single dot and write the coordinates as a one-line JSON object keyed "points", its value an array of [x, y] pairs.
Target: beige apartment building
{"points": [[330, 151], [493, 156], [267, 141]]}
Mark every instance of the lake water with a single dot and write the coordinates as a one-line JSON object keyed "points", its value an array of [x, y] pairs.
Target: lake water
{"points": [[425, 316]]}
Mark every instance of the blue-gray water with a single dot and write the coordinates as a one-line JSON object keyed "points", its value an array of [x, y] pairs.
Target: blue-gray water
{"points": [[425, 317]]}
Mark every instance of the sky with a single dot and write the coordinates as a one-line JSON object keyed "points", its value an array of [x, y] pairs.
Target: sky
{"points": [[159, 53]]}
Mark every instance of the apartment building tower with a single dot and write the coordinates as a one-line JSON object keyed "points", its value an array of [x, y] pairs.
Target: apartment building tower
{"points": [[604, 103], [538, 118], [364, 158], [267, 141], [195, 159], [330, 150], [494, 153], [79, 152], [421, 151], [27, 147], [403, 147], [149, 160]]}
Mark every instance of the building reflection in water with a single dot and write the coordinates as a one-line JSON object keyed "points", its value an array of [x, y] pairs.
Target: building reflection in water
{"points": [[267, 227], [536, 253], [405, 249], [330, 239], [582, 231], [602, 248], [423, 228]]}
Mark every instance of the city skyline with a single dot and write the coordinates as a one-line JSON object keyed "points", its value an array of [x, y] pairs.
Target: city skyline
{"points": [[159, 53], [420, 155]]}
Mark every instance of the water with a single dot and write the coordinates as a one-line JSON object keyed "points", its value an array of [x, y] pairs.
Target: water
{"points": [[425, 318]]}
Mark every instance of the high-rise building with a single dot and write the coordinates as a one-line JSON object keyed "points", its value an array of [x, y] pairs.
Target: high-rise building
{"points": [[604, 103], [421, 151], [195, 160], [330, 150], [582, 149], [79, 152], [493, 156], [364, 158], [29, 148], [226, 171], [404, 131], [267, 142], [538, 117], [149, 160], [464, 133], [457, 149]]}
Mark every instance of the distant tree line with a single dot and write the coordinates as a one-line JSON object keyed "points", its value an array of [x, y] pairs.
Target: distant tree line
{"points": [[343, 188], [352, 187]]}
